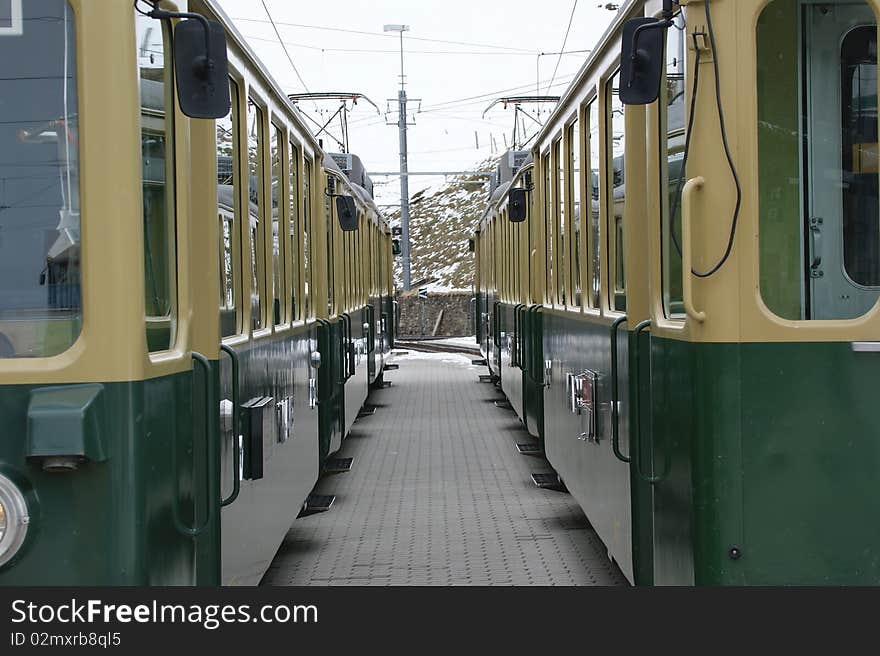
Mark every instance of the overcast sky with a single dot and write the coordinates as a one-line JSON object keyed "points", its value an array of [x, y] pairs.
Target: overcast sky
{"points": [[495, 53]]}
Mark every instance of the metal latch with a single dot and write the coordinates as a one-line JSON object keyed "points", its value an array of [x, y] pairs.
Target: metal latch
{"points": [[313, 393], [816, 247], [582, 401]]}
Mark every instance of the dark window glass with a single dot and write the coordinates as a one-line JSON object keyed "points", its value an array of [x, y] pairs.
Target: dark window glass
{"points": [[40, 300], [306, 234], [573, 184], [672, 134], [228, 176], [616, 196], [276, 154], [255, 197], [157, 147], [595, 261], [294, 191], [861, 211]]}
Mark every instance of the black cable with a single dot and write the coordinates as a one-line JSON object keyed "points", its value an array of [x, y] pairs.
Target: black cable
{"points": [[141, 11], [730, 163]]}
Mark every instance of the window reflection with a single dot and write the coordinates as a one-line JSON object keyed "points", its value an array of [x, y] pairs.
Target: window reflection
{"points": [[40, 298]]}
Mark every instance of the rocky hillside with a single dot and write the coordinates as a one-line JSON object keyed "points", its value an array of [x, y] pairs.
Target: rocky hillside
{"points": [[442, 219]]}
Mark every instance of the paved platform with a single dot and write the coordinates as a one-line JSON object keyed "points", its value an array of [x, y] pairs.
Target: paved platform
{"points": [[439, 495]]}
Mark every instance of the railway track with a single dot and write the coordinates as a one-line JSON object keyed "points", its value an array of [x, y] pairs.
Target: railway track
{"points": [[428, 346]]}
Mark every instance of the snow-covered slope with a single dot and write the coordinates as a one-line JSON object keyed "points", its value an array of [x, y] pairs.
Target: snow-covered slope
{"points": [[442, 219]]}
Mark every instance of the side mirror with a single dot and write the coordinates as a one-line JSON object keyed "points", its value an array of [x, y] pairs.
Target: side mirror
{"points": [[516, 205], [395, 247], [641, 60], [201, 68], [346, 212]]}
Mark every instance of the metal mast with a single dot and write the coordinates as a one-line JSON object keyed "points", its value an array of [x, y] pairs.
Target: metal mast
{"points": [[404, 172]]}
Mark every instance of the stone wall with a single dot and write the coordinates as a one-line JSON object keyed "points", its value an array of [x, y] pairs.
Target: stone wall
{"points": [[419, 316]]}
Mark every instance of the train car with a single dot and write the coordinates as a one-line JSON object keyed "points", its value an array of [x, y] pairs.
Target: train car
{"points": [[707, 366], [170, 305], [357, 345]]}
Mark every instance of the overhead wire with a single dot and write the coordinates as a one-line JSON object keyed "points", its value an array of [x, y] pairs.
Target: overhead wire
{"points": [[564, 41], [394, 52], [284, 46], [384, 35]]}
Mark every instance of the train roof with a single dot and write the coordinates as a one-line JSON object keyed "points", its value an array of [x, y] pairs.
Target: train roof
{"points": [[256, 62]]}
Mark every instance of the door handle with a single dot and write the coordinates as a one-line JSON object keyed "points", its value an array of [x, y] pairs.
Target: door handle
{"points": [[816, 247], [236, 462]]}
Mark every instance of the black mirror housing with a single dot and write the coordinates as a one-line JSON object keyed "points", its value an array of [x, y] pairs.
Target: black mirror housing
{"points": [[641, 60], [346, 212], [516, 205], [202, 72], [395, 247]]}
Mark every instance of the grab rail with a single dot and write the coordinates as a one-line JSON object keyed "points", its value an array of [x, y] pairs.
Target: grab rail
{"points": [[615, 401], [236, 463], [690, 188], [183, 529], [635, 454]]}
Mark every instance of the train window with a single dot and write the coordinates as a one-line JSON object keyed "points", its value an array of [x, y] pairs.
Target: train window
{"points": [[308, 308], [819, 220], [505, 255], [255, 197], [672, 177], [591, 134], [516, 261], [228, 176], [276, 149], [40, 300], [331, 245], [294, 228], [616, 196], [158, 192], [548, 227], [559, 225], [573, 184]]}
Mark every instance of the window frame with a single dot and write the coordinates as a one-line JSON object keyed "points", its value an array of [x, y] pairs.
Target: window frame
{"points": [[259, 246]]}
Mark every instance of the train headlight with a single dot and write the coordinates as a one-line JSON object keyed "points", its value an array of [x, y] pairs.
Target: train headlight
{"points": [[14, 519]]}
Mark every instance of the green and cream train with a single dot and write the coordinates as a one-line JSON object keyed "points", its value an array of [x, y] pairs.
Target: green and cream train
{"points": [[679, 294], [192, 310]]}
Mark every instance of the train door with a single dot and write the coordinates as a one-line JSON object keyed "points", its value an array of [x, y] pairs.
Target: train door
{"points": [[842, 232]]}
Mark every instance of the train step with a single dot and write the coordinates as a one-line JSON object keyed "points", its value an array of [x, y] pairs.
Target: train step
{"points": [[530, 449], [487, 378], [549, 481], [390, 367], [366, 411], [316, 503], [338, 466], [480, 362], [504, 404]]}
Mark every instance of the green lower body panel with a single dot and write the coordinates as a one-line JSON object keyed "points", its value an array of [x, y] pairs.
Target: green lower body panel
{"points": [[357, 384], [330, 388], [254, 525], [768, 455], [595, 477], [110, 522]]}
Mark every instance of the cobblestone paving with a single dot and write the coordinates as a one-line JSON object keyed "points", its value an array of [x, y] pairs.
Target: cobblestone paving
{"points": [[439, 495]]}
